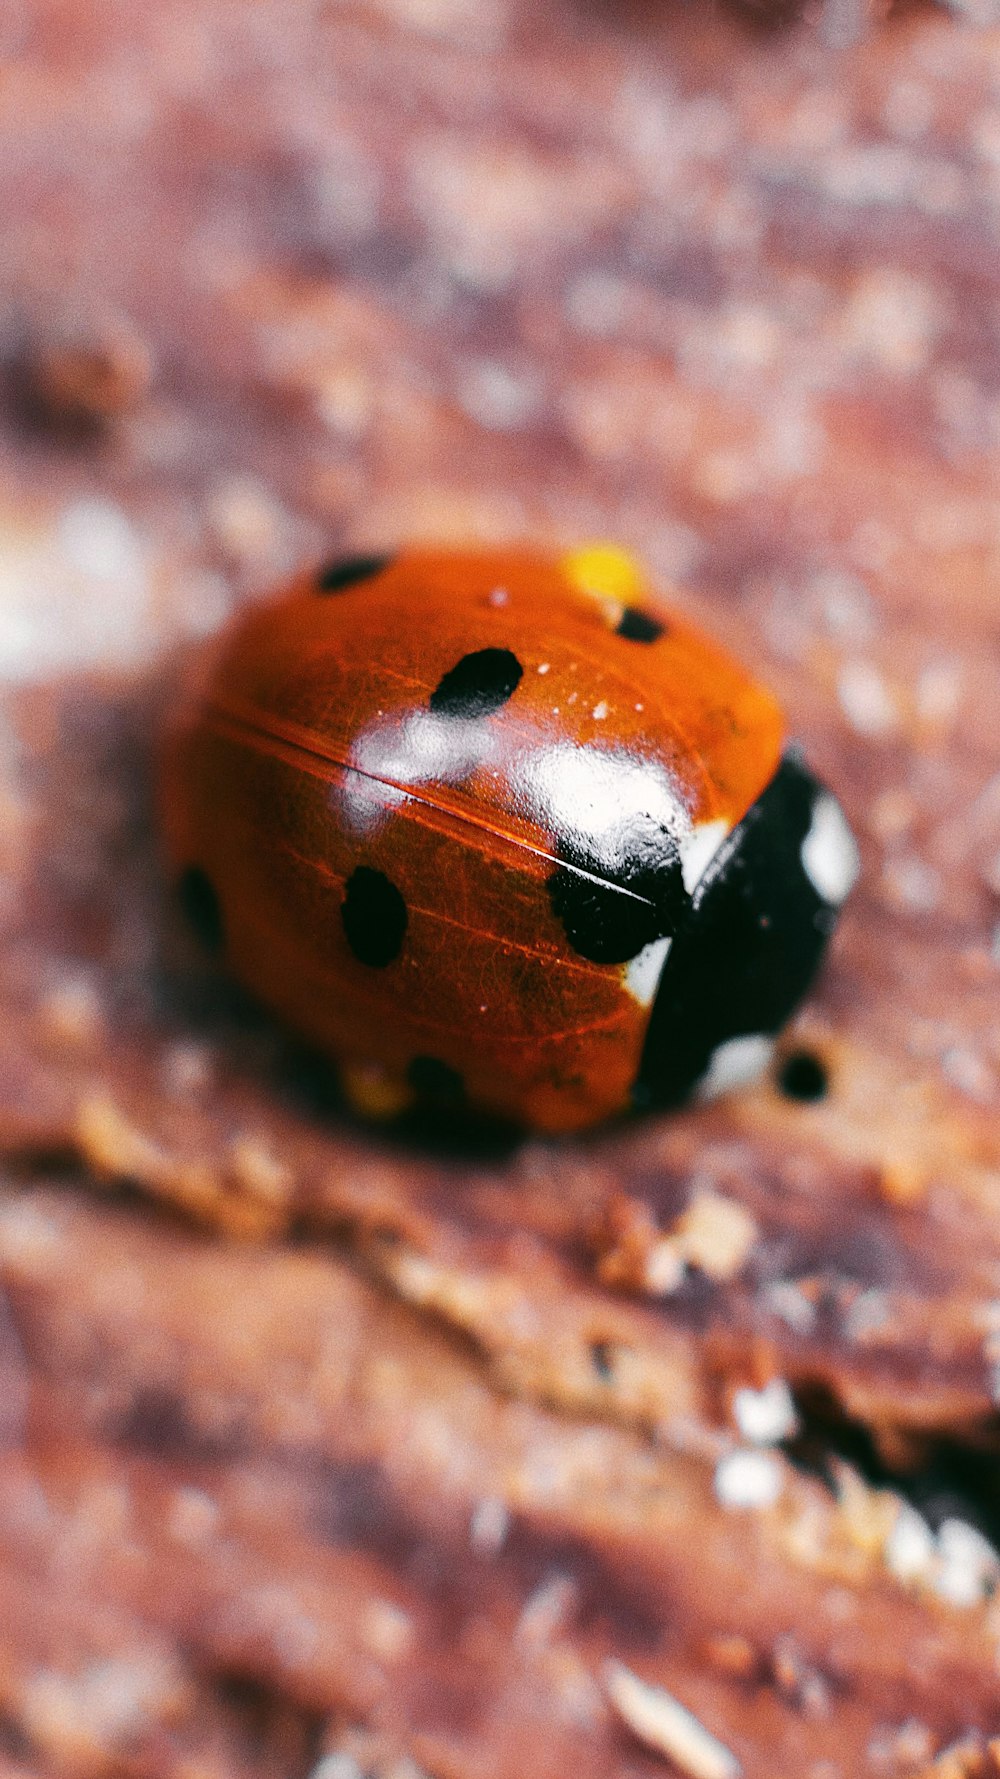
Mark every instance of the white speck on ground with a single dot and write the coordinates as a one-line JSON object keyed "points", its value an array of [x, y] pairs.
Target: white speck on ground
{"points": [[765, 1416], [748, 1479], [75, 590], [663, 1723], [489, 1525], [866, 700]]}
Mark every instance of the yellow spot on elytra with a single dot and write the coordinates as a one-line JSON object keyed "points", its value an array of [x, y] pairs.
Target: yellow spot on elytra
{"points": [[605, 573]]}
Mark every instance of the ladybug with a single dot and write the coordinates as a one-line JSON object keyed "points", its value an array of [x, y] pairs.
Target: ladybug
{"points": [[494, 830]]}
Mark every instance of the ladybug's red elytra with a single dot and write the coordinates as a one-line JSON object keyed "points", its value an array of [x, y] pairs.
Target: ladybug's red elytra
{"points": [[494, 829]]}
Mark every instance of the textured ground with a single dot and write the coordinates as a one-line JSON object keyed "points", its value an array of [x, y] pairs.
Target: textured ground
{"points": [[329, 1452]]}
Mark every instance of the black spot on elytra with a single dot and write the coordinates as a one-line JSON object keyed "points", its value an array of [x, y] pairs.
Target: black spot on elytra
{"points": [[803, 1076], [613, 906], [374, 917], [436, 1081], [600, 923], [639, 626], [478, 684], [200, 905], [348, 571]]}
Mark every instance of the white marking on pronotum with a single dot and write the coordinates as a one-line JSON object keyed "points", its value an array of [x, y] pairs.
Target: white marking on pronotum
{"points": [[735, 1064], [410, 747], [699, 849], [643, 972], [830, 856], [663, 1723]]}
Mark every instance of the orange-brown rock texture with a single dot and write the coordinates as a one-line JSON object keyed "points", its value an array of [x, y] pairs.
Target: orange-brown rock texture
{"points": [[335, 1452]]}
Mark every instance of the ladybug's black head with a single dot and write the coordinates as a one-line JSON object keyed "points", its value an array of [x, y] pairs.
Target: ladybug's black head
{"points": [[759, 922]]}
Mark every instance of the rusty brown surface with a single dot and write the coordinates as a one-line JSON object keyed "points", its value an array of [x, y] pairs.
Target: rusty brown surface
{"points": [[276, 1474], [331, 1440]]}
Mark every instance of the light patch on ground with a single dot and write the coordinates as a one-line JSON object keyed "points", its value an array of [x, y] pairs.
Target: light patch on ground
{"points": [[867, 701], [748, 1480], [75, 590], [663, 1723], [765, 1416], [893, 320], [737, 1064]]}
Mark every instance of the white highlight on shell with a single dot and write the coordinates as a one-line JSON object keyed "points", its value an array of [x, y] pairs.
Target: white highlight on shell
{"points": [[830, 855], [698, 851], [365, 802], [748, 1479], [642, 972], [409, 748], [765, 1416], [599, 793], [663, 1723], [736, 1064]]}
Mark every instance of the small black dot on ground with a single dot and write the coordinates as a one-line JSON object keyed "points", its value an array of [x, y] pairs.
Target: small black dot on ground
{"points": [[639, 626], [436, 1081], [374, 917], [803, 1076], [478, 684], [602, 1358], [200, 905], [347, 571]]}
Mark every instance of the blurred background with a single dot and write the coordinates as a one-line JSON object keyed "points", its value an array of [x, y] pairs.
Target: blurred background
{"points": [[280, 276]]}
